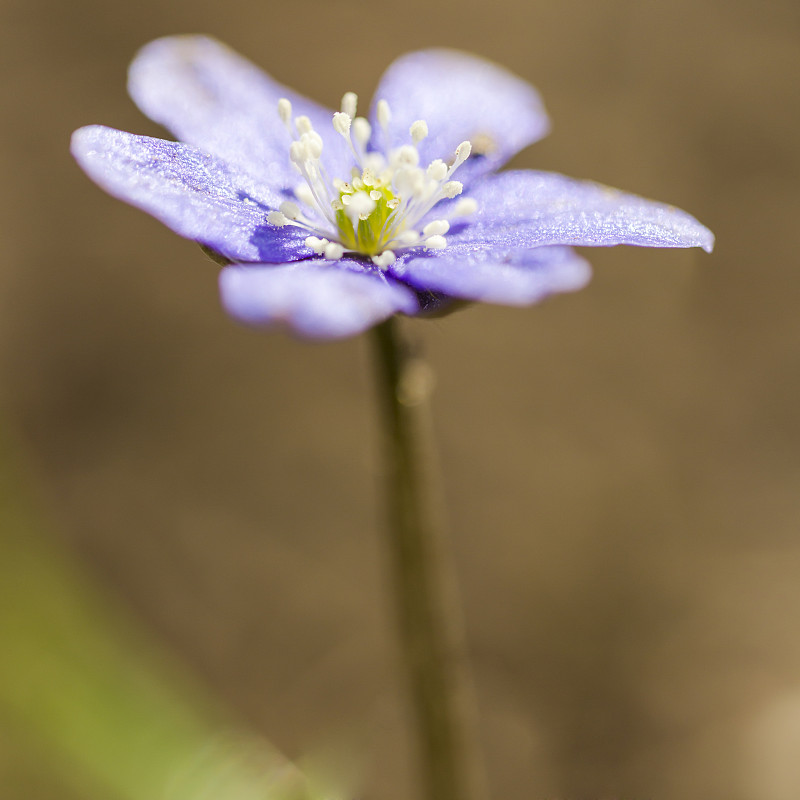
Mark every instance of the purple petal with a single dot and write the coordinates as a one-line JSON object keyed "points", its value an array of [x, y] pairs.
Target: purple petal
{"points": [[192, 193], [315, 299], [513, 277], [211, 97], [530, 209], [461, 97]]}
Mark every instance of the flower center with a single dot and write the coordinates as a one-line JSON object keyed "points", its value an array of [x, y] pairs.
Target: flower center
{"points": [[363, 212], [379, 209]]}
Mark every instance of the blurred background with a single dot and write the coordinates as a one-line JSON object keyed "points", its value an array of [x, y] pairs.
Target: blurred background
{"points": [[622, 465]]}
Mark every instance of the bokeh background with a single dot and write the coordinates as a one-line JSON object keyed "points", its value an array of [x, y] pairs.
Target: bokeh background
{"points": [[622, 465]]}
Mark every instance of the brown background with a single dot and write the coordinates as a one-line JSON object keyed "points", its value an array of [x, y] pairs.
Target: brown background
{"points": [[622, 465]]}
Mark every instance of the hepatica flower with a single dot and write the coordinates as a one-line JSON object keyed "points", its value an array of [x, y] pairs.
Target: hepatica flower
{"points": [[330, 222]]}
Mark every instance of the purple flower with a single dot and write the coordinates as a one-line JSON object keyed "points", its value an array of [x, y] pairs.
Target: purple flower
{"points": [[332, 222]]}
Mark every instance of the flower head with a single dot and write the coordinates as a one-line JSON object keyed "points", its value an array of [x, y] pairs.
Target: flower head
{"points": [[330, 221]]}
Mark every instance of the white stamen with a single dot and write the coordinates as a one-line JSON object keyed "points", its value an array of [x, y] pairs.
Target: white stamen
{"points": [[349, 104], [297, 152], [316, 244], [418, 130], [341, 124], [408, 181], [313, 144], [361, 205], [437, 170], [277, 219], [285, 111], [435, 243], [289, 209], [303, 124], [333, 251], [406, 156], [407, 238], [375, 195], [362, 130], [462, 154], [452, 189], [304, 194], [437, 227], [465, 207], [385, 259], [383, 113]]}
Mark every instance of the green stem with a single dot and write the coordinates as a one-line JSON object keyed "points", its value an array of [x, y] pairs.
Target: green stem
{"points": [[430, 626]]}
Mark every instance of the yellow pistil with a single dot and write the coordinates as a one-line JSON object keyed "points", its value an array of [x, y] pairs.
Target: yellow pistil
{"points": [[368, 236]]}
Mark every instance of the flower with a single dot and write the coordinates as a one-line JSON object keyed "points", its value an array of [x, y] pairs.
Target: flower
{"points": [[329, 223]]}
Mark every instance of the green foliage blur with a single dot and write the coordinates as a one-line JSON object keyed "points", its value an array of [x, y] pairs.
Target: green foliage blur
{"points": [[90, 707]]}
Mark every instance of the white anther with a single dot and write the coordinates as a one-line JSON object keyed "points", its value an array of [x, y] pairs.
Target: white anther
{"points": [[465, 207], [393, 203], [333, 251], [436, 228], [341, 123], [284, 110], [408, 238], [462, 154], [337, 205], [437, 170], [375, 195], [358, 184], [362, 130], [361, 205], [375, 162], [383, 113], [452, 189], [277, 219], [385, 259], [297, 152], [313, 144], [289, 209], [408, 181], [316, 244], [303, 124], [304, 194], [435, 243], [349, 104], [368, 177], [418, 130], [406, 155]]}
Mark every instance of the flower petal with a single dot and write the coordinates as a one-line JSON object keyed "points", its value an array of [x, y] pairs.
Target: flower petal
{"points": [[315, 299], [461, 97], [511, 277], [530, 209], [211, 97], [192, 193]]}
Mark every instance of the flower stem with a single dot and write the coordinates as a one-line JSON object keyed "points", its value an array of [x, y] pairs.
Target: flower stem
{"points": [[429, 618]]}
